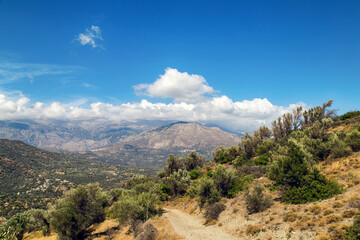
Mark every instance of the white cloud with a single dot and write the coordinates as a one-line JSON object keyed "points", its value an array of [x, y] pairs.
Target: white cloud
{"points": [[192, 102], [180, 86], [244, 115], [91, 37]]}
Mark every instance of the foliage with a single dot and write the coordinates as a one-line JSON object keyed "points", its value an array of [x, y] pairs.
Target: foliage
{"points": [[348, 115], [256, 201], [291, 169], [225, 180], [207, 191], [194, 174], [353, 232], [174, 163], [178, 182], [80, 208], [135, 207], [212, 211], [193, 161], [352, 139], [263, 159]]}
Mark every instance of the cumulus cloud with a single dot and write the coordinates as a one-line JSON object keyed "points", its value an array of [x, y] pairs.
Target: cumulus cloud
{"points": [[180, 86], [193, 100], [91, 37], [244, 115]]}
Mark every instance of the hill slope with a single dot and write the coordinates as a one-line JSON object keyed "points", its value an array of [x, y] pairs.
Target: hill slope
{"points": [[31, 177]]}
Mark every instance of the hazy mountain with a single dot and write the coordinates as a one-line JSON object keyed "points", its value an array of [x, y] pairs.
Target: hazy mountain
{"points": [[152, 147], [75, 135]]}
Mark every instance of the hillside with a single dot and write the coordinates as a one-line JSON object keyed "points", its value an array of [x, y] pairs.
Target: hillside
{"points": [[31, 177], [151, 148]]}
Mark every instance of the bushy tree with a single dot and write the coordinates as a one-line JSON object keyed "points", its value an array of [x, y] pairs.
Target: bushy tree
{"points": [[178, 182], [291, 169], [225, 180], [207, 191], [352, 139], [193, 161], [256, 201], [174, 163], [132, 207], [79, 209]]}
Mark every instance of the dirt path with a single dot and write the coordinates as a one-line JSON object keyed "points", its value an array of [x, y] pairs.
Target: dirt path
{"points": [[191, 227]]}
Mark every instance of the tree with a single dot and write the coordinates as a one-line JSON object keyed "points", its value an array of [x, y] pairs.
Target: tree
{"points": [[79, 209], [193, 161]]}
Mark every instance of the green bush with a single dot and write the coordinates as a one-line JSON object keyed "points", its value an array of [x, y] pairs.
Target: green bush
{"points": [[178, 182], [353, 232], [207, 191], [290, 170], [256, 201], [225, 179], [193, 161], [79, 209], [263, 159], [352, 139], [132, 208], [316, 187], [194, 174]]}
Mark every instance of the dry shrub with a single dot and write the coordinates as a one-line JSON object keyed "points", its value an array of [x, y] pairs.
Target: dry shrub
{"points": [[349, 213], [315, 209], [252, 230], [333, 218], [213, 211], [338, 205], [324, 237], [328, 211], [146, 232], [354, 202], [290, 217]]}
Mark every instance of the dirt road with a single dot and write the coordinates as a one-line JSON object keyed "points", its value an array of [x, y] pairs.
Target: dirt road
{"points": [[191, 227]]}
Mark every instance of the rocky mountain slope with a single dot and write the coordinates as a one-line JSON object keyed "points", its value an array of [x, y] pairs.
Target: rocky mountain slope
{"points": [[75, 135], [152, 147]]}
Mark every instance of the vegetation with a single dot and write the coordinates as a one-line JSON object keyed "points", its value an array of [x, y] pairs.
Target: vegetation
{"points": [[256, 201], [288, 154]]}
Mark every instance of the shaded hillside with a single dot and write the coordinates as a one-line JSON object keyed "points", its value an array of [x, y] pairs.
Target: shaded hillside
{"points": [[31, 177], [151, 148]]}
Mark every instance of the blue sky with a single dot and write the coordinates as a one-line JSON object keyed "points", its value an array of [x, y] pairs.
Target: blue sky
{"points": [[248, 60]]}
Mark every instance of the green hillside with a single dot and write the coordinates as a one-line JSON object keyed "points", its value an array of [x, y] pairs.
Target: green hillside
{"points": [[31, 177]]}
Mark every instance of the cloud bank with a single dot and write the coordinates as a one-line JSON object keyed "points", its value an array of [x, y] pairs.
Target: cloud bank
{"points": [[191, 102], [91, 37]]}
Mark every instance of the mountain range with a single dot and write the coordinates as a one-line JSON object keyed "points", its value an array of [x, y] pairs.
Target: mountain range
{"points": [[141, 143]]}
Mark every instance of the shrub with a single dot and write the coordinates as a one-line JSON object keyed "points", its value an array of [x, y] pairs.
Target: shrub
{"points": [[194, 174], [352, 139], [178, 182], [256, 201], [207, 191], [353, 232], [316, 187], [263, 159], [174, 164], [78, 210], [193, 161], [291, 169], [225, 180], [133, 209], [212, 211]]}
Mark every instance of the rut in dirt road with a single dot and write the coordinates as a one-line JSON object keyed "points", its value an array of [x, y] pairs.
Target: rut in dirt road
{"points": [[192, 228]]}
